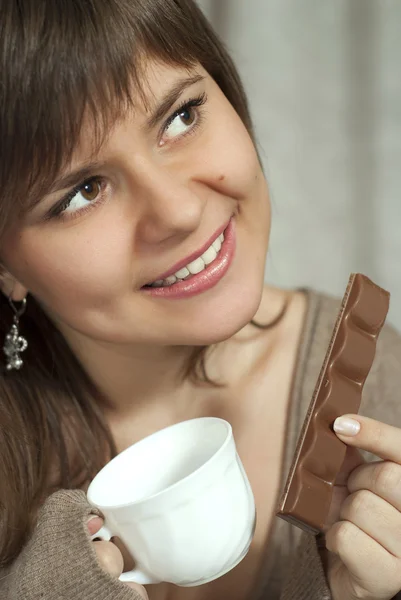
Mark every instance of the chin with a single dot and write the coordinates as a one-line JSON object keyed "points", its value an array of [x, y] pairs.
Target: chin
{"points": [[226, 314]]}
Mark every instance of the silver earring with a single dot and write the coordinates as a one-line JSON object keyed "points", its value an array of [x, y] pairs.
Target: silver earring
{"points": [[15, 343]]}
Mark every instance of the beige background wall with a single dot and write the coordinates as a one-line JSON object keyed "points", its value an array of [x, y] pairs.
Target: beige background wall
{"points": [[324, 81]]}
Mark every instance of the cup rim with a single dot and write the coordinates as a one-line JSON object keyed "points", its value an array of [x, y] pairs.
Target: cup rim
{"points": [[173, 485]]}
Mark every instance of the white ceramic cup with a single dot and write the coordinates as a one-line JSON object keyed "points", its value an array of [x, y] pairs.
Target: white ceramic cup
{"points": [[181, 503]]}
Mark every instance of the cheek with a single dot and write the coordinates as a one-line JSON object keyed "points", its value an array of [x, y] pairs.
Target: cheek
{"points": [[64, 269], [230, 160]]}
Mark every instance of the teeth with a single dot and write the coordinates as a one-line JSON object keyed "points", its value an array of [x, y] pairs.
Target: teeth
{"points": [[217, 245], [209, 256], [183, 273], [195, 267]]}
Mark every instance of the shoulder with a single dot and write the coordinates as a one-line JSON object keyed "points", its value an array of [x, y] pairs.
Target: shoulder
{"points": [[381, 395]]}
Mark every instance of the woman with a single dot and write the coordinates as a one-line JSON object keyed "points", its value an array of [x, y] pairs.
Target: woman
{"points": [[134, 225]]}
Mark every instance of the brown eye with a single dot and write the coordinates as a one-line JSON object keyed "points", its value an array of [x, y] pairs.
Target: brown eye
{"points": [[183, 121], [90, 190], [188, 116]]}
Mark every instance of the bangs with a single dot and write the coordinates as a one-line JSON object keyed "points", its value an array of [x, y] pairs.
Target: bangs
{"points": [[61, 62]]}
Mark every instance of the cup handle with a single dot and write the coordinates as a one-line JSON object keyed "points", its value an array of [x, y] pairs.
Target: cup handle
{"points": [[138, 576], [103, 534], [134, 576]]}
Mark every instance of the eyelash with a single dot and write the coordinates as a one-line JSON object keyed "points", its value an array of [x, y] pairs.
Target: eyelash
{"points": [[57, 212], [197, 102]]}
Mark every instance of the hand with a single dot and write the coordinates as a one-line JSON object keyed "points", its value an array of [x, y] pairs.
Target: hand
{"points": [[365, 542], [110, 557]]}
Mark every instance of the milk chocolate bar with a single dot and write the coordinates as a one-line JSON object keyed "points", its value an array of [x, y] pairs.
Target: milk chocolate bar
{"points": [[319, 455]]}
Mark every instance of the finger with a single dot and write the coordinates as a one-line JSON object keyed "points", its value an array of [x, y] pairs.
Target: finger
{"points": [[383, 478], [375, 517], [364, 559], [352, 460], [129, 563], [109, 557], [111, 560], [368, 434], [94, 524]]}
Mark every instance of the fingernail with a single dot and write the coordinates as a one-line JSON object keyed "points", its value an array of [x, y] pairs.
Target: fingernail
{"points": [[90, 518], [91, 528], [346, 426]]}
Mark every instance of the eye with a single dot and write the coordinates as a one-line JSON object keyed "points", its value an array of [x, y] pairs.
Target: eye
{"points": [[181, 123], [185, 119], [86, 194], [82, 198]]}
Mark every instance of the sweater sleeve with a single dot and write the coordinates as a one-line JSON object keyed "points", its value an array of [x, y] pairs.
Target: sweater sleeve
{"points": [[59, 562], [307, 580]]}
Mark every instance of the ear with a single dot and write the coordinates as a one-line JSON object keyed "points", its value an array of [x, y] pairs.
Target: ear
{"points": [[12, 288]]}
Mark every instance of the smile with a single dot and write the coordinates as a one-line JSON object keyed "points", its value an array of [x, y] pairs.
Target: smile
{"points": [[194, 267], [202, 271]]}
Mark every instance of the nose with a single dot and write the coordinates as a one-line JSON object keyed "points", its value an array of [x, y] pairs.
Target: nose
{"points": [[169, 205]]}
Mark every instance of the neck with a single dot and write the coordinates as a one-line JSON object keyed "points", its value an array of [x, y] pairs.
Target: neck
{"points": [[142, 379], [131, 377]]}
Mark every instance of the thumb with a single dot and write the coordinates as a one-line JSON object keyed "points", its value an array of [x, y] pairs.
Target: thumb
{"points": [[352, 460]]}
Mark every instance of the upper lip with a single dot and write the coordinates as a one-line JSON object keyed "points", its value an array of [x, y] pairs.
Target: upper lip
{"points": [[185, 261]]}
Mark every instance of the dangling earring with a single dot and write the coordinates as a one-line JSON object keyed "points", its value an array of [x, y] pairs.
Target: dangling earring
{"points": [[15, 343]]}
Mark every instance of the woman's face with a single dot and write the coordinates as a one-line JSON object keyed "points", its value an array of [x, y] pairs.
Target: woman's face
{"points": [[167, 182]]}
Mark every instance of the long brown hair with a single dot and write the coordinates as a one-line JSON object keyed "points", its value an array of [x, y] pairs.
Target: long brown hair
{"points": [[60, 61]]}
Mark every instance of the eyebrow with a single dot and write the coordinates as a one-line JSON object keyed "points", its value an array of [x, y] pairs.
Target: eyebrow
{"points": [[77, 176]]}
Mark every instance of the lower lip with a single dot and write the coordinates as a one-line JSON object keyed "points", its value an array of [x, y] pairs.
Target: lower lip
{"points": [[206, 279]]}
